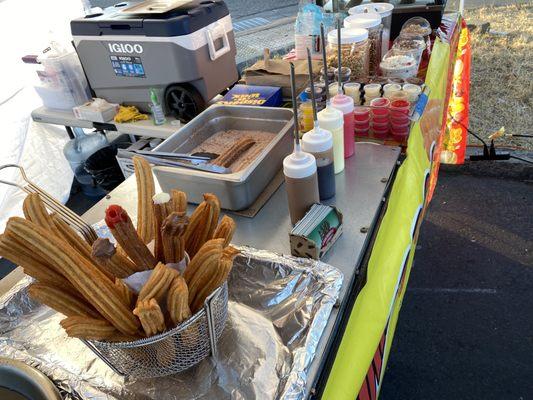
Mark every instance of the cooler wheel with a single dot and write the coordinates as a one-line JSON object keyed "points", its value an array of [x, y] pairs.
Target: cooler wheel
{"points": [[184, 102]]}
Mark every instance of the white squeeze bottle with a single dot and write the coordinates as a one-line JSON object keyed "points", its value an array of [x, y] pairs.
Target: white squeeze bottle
{"points": [[332, 120], [319, 142], [299, 168]]}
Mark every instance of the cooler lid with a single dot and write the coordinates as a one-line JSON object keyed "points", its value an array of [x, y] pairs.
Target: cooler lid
{"points": [[179, 21]]}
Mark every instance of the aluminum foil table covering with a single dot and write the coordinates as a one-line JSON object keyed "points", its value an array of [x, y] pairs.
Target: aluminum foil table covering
{"points": [[278, 308]]}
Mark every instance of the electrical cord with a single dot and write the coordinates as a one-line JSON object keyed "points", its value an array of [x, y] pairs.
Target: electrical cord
{"points": [[522, 159]]}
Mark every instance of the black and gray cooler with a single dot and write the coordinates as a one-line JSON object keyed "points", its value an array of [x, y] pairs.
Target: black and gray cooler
{"points": [[186, 53]]}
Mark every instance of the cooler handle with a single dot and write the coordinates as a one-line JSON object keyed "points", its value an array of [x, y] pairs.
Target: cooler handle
{"points": [[217, 32]]}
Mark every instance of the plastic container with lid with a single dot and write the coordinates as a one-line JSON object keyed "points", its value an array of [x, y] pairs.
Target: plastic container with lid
{"points": [[385, 11], [352, 89], [412, 91], [345, 74], [372, 23], [372, 91], [361, 114], [354, 51], [333, 120], [413, 45], [390, 88], [418, 26], [398, 65]]}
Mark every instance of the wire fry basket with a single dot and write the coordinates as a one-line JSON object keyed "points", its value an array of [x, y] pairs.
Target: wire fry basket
{"points": [[172, 351]]}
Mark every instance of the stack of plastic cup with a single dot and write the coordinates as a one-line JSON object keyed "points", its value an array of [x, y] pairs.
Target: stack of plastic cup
{"points": [[372, 91], [352, 89], [399, 119], [379, 114], [390, 89], [361, 121], [412, 91]]}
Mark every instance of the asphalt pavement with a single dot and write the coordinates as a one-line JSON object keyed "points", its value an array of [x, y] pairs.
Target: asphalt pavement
{"points": [[465, 329]]}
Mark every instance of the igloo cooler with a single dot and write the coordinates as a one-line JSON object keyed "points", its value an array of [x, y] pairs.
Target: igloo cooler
{"points": [[186, 53]]}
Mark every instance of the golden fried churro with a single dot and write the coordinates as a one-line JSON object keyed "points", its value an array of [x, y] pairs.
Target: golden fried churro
{"points": [[119, 222], [92, 284], [157, 284], [229, 156], [73, 239], [104, 253], [172, 237], [202, 224], [225, 230], [88, 328], [179, 200], [33, 265], [178, 301], [35, 211], [162, 208], [220, 275], [62, 300], [151, 317], [125, 292], [210, 248], [145, 192]]}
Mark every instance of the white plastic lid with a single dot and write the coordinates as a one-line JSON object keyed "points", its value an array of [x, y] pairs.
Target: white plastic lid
{"points": [[368, 20], [348, 36], [343, 103], [317, 140], [330, 118], [299, 165], [383, 9]]}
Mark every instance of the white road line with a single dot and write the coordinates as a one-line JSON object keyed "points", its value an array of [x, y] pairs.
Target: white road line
{"points": [[452, 290]]}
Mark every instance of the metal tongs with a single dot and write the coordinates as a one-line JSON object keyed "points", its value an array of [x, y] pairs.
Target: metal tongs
{"points": [[198, 161], [64, 212]]}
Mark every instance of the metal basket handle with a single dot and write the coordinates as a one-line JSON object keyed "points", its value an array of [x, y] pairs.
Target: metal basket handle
{"points": [[66, 213]]}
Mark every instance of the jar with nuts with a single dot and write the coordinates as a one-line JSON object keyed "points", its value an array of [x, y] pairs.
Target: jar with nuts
{"points": [[354, 51], [372, 22]]}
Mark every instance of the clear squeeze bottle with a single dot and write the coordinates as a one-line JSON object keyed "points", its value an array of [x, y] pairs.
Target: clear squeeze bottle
{"points": [[300, 171], [332, 120], [319, 143]]}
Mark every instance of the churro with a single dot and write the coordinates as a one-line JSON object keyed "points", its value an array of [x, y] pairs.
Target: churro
{"points": [[202, 224], [119, 222], [213, 246], [225, 230], [172, 237], [105, 255], [145, 192], [61, 300], [162, 207], [157, 284], [178, 301], [151, 316], [125, 292], [35, 211], [88, 328], [179, 200], [223, 268], [229, 156], [33, 265], [90, 282]]}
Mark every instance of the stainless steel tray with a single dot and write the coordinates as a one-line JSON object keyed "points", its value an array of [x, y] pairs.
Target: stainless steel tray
{"points": [[238, 190]]}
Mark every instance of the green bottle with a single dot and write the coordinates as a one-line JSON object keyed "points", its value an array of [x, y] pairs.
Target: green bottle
{"points": [[157, 110]]}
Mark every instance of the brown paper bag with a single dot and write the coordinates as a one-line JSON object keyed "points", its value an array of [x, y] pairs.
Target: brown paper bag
{"points": [[276, 72]]}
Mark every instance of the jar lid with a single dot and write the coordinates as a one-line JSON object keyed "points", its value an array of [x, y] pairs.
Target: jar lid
{"points": [[348, 36], [368, 20], [383, 9]]}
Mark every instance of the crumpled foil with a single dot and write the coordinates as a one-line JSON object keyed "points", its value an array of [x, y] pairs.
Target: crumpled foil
{"points": [[278, 309]]}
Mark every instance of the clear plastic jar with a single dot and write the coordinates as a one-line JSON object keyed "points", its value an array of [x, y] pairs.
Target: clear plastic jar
{"points": [[413, 45], [418, 26], [398, 65], [385, 11], [372, 23], [354, 51]]}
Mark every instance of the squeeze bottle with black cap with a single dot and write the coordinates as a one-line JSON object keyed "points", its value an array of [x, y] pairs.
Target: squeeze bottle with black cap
{"points": [[300, 171], [319, 142]]}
